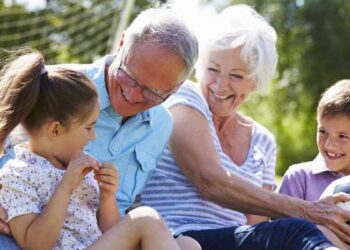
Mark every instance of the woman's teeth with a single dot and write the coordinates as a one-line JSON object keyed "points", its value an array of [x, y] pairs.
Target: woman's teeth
{"points": [[222, 97]]}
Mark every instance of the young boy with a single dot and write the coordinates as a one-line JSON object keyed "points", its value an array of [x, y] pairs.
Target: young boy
{"points": [[307, 180]]}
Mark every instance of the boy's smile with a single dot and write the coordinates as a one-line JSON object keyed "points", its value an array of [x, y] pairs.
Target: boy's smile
{"points": [[333, 141]]}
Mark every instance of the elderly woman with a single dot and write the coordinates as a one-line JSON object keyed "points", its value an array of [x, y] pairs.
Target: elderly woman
{"points": [[219, 160]]}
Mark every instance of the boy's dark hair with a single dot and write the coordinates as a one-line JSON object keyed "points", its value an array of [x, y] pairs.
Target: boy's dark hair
{"points": [[335, 100], [32, 97]]}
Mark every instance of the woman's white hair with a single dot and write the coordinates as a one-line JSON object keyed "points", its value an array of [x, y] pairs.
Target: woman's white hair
{"points": [[241, 25]]}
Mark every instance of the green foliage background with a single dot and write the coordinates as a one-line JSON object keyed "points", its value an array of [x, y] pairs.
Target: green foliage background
{"points": [[314, 53], [313, 45]]}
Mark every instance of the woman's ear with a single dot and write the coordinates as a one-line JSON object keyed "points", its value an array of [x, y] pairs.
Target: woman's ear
{"points": [[55, 129]]}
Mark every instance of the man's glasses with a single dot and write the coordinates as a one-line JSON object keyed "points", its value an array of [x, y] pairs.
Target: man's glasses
{"points": [[150, 95]]}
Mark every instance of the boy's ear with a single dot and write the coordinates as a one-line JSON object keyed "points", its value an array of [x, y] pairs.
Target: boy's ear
{"points": [[55, 129]]}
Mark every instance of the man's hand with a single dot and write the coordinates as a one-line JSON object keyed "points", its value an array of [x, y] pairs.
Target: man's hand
{"points": [[4, 227], [325, 212], [108, 179]]}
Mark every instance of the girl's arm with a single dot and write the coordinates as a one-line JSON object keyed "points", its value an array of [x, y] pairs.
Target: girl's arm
{"points": [[41, 231], [108, 214]]}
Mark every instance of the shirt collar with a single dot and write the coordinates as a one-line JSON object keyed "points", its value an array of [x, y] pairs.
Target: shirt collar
{"points": [[319, 166]]}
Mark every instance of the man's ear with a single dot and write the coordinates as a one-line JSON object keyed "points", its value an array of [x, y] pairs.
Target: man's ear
{"points": [[55, 129], [121, 43]]}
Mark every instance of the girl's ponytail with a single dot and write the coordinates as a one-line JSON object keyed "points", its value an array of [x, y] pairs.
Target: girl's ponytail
{"points": [[19, 91]]}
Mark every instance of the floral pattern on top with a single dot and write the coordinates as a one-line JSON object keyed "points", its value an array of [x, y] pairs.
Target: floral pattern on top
{"points": [[28, 182]]}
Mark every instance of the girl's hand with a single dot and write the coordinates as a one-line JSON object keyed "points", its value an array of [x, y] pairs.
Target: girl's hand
{"points": [[108, 180], [76, 171]]}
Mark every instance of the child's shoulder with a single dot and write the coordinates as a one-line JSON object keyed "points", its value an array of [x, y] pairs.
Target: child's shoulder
{"points": [[24, 167], [308, 168], [300, 169]]}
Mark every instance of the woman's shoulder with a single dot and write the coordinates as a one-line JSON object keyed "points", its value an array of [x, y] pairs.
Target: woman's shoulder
{"points": [[189, 94], [189, 88], [260, 131]]}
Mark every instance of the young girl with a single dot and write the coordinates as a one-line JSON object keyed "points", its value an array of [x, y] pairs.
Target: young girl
{"points": [[56, 196]]}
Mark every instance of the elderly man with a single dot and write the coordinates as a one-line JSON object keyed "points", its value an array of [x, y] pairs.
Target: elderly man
{"points": [[157, 53]]}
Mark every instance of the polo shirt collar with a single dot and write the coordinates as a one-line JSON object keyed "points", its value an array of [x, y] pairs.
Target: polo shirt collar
{"points": [[319, 166]]}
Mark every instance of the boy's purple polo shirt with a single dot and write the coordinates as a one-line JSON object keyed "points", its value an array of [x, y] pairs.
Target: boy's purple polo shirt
{"points": [[308, 180]]}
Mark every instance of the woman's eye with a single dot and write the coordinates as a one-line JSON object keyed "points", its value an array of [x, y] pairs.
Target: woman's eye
{"points": [[213, 70], [236, 76]]}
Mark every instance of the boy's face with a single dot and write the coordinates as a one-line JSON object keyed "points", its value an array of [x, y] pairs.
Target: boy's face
{"points": [[333, 141]]}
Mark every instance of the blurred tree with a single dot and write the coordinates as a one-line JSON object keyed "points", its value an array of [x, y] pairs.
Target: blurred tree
{"points": [[314, 53], [65, 31]]}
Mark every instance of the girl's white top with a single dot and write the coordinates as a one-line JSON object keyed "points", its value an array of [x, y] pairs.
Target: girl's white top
{"points": [[28, 182]]}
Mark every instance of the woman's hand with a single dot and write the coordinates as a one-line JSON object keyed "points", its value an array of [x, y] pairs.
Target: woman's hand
{"points": [[325, 212], [76, 171], [108, 180]]}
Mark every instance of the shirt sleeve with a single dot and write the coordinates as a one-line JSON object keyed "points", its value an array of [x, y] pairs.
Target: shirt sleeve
{"points": [[265, 141], [269, 169], [17, 195], [293, 183], [189, 94]]}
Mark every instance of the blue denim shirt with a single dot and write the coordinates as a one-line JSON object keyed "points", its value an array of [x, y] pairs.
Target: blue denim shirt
{"points": [[133, 147]]}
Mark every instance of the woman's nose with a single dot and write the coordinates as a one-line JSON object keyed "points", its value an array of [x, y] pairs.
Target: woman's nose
{"points": [[222, 83]]}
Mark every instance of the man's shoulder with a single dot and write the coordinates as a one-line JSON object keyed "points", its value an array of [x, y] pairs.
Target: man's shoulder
{"points": [[161, 117]]}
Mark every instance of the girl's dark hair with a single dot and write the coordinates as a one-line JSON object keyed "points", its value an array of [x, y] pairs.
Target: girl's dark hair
{"points": [[335, 100], [31, 97]]}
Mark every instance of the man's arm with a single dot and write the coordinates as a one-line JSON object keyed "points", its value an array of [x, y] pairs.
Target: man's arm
{"points": [[194, 151]]}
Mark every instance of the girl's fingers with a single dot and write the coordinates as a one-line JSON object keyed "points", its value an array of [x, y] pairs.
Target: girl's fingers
{"points": [[106, 179], [107, 171]]}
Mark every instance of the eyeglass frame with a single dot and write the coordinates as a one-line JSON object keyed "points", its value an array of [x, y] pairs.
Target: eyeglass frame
{"points": [[145, 88]]}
